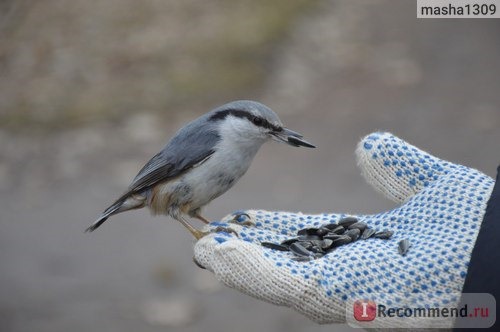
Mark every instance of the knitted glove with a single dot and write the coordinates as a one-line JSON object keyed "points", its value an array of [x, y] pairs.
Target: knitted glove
{"points": [[442, 208]]}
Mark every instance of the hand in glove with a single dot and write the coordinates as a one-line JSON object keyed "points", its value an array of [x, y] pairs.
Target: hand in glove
{"points": [[442, 206]]}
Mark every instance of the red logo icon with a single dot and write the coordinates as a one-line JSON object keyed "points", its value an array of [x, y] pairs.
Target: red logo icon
{"points": [[364, 310]]}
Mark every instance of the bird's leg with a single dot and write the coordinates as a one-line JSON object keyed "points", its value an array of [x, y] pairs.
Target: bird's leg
{"points": [[217, 229], [199, 234], [196, 233], [200, 217]]}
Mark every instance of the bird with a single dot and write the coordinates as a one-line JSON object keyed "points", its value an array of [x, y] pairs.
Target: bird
{"points": [[203, 160]]}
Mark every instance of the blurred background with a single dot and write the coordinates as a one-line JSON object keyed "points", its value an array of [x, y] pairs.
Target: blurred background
{"points": [[90, 90]]}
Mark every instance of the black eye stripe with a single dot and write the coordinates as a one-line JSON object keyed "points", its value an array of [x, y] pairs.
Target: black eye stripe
{"points": [[258, 121]]}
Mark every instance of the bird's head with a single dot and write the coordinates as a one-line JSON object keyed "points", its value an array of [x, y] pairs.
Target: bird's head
{"points": [[252, 122]]}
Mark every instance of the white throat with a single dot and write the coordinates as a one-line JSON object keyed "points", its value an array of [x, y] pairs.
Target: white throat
{"points": [[242, 135], [239, 143]]}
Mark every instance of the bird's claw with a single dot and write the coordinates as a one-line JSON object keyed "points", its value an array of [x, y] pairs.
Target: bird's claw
{"points": [[198, 235], [222, 229], [242, 219]]}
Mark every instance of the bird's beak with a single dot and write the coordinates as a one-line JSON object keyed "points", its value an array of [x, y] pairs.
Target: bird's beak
{"points": [[290, 137]]}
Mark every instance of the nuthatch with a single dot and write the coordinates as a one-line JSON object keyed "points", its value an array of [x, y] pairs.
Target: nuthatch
{"points": [[202, 161]]}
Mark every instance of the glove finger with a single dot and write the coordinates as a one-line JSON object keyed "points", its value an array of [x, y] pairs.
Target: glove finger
{"points": [[397, 169], [284, 223]]}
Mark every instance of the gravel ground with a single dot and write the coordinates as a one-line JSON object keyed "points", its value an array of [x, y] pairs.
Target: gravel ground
{"points": [[346, 69]]}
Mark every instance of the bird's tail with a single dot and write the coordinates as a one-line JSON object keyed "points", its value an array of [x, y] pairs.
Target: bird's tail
{"points": [[121, 205]]}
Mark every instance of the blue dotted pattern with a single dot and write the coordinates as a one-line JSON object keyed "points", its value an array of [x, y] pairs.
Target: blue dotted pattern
{"points": [[411, 165], [441, 222]]}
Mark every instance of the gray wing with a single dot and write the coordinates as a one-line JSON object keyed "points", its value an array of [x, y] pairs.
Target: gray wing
{"points": [[191, 145]]}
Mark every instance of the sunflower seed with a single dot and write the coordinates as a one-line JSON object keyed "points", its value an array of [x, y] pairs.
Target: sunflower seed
{"points": [[288, 242], [331, 236], [385, 234], [308, 231], [403, 246], [308, 237], [299, 250], [338, 230], [353, 234], [302, 258], [316, 250], [306, 244], [348, 221], [317, 243], [344, 239], [330, 226], [367, 233], [327, 243], [359, 225], [275, 246], [319, 255], [322, 231]]}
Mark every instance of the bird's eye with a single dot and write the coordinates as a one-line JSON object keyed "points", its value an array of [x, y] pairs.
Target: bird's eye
{"points": [[257, 121]]}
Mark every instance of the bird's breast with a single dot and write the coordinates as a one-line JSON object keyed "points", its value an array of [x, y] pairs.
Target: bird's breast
{"points": [[219, 173], [204, 182]]}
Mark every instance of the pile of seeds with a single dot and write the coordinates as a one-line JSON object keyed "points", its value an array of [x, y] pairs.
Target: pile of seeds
{"points": [[311, 243]]}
